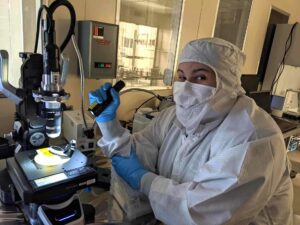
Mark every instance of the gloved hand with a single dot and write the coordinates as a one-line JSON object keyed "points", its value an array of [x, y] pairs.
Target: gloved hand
{"points": [[129, 168], [100, 95]]}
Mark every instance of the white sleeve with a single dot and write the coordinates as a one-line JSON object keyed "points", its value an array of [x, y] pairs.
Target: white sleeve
{"points": [[231, 188], [117, 140]]}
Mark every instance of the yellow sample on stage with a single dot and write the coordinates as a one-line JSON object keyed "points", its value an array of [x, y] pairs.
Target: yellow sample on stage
{"points": [[45, 158]]}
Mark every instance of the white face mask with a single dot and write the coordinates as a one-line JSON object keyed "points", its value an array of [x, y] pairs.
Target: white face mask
{"points": [[187, 94], [192, 103]]}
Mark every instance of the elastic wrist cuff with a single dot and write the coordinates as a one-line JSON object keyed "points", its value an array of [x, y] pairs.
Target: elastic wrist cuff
{"points": [[146, 182]]}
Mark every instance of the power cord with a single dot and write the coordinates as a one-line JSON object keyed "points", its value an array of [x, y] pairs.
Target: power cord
{"points": [[281, 66], [88, 132], [159, 97], [148, 100]]}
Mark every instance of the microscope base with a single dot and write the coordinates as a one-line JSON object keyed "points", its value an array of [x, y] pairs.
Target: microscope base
{"points": [[69, 212]]}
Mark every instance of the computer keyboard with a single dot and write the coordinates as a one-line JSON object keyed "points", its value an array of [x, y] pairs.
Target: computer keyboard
{"points": [[286, 125]]}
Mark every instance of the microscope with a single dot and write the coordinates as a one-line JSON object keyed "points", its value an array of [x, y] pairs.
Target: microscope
{"points": [[46, 178], [40, 96]]}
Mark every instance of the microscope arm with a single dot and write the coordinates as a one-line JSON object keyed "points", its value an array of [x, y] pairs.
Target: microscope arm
{"points": [[5, 87]]}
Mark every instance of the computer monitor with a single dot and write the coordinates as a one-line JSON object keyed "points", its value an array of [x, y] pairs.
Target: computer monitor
{"points": [[266, 101], [262, 98], [249, 82]]}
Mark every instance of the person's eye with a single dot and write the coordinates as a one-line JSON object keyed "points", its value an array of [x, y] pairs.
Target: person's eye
{"points": [[181, 77], [201, 77]]}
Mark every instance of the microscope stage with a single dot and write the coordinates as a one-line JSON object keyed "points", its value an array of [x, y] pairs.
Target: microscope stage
{"points": [[40, 184]]}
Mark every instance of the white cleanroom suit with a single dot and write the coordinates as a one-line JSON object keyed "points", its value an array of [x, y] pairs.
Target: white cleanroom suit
{"points": [[229, 166]]}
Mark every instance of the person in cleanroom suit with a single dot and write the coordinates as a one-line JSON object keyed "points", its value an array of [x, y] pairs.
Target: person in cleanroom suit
{"points": [[213, 158]]}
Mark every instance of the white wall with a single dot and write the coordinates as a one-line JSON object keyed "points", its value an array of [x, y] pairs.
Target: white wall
{"points": [[198, 20], [10, 32], [255, 36]]}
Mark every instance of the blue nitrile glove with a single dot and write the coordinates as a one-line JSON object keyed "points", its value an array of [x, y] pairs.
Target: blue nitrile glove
{"points": [[129, 168], [110, 113]]}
